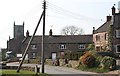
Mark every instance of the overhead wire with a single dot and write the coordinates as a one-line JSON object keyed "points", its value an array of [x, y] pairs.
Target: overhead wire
{"points": [[61, 11], [67, 13]]}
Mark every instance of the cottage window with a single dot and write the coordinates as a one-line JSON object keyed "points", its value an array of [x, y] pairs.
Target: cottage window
{"points": [[81, 46], [98, 48], [33, 46], [97, 38], [106, 36], [62, 46], [33, 55], [118, 48], [118, 33]]}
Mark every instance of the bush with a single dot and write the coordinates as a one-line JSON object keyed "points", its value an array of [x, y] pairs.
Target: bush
{"points": [[108, 63], [88, 59], [93, 69], [32, 61], [68, 65], [73, 55]]}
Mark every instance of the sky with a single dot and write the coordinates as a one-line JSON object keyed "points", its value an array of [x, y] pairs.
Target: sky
{"points": [[84, 14]]}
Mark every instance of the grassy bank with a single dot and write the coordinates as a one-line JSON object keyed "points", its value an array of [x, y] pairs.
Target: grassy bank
{"points": [[94, 69], [22, 72]]}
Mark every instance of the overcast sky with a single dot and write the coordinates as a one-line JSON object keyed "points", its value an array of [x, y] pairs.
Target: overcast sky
{"points": [[85, 14]]}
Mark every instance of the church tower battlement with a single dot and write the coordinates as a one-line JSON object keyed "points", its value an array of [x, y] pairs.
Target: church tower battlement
{"points": [[18, 31]]}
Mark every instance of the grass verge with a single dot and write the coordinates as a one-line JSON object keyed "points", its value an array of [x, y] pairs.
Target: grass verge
{"points": [[94, 69], [21, 73]]}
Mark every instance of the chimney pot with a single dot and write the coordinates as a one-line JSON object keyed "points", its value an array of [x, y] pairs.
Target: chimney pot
{"points": [[50, 32], [93, 30], [113, 10], [27, 33], [108, 18]]}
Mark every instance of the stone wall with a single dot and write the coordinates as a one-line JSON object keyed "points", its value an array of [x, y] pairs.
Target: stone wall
{"points": [[49, 62], [72, 63]]}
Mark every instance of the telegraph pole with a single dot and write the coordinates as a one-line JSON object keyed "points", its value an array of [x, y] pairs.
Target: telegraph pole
{"points": [[43, 37], [29, 43]]}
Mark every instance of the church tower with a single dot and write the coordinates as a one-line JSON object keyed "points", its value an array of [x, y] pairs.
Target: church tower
{"points": [[19, 31]]}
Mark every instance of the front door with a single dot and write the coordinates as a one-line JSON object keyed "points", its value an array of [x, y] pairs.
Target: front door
{"points": [[54, 56]]}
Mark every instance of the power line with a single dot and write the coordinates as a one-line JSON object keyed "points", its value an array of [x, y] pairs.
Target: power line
{"points": [[67, 13]]}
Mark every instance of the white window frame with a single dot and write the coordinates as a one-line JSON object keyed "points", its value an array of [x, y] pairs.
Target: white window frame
{"points": [[106, 36], [62, 46], [81, 46], [117, 33], [33, 55], [33, 46], [97, 37], [117, 48]]}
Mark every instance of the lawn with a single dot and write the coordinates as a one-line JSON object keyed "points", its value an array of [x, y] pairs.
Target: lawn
{"points": [[94, 69], [22, 72]]}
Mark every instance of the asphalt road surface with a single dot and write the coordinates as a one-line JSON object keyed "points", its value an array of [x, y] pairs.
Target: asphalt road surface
{"points": [[54, 69], [62, 71]]}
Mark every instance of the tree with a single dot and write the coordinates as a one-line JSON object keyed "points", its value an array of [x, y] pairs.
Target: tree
{"points": [[3, 54], [71, 30]]}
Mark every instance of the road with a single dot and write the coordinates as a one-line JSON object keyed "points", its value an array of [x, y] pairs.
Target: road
{"points": [[64, 71], [54, 69]]}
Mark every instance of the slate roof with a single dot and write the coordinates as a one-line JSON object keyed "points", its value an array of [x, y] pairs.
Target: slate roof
{"points": [[63, 39], [104, 27]]}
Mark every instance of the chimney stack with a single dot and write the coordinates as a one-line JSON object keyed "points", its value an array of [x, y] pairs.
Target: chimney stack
{"points": [[50, 32], [113, 10], [108, 18], [27, 33], [93, 30]]}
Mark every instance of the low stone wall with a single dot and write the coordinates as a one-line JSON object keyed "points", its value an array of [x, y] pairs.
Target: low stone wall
{"points": [[11, 67], [62, 62], [73, 63], [49, 62], [28, 68]]}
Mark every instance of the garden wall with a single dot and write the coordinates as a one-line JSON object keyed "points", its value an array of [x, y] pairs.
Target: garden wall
{"points": [[72, 63]]}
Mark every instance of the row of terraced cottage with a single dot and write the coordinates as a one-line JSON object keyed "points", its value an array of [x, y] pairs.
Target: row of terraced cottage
{"points": [[107, 36]]}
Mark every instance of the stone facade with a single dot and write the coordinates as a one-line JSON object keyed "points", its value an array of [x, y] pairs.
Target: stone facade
{"points": [[15, 43], [54, 44], [58, 44], [100, 41], [101, 36], [115, 34], [107, 36]]}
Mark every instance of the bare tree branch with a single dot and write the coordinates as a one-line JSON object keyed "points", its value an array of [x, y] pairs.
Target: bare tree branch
{"points": [[72, 30]]}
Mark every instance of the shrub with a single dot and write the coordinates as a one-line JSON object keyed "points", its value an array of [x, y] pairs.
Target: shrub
{"points": [[73, 55], [98, 60], [108, 63], [88, 59], [91, 47], [93, 69], [68, 65]]}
